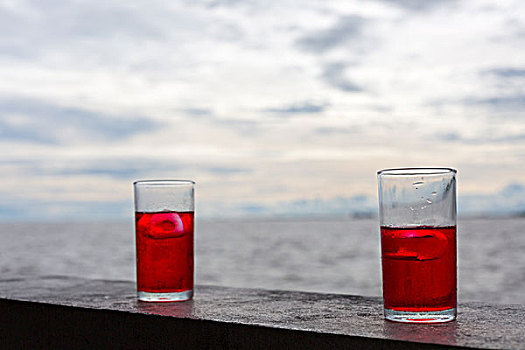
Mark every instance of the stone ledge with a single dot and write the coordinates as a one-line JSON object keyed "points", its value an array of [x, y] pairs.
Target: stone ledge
{"points": [[64, 312]]}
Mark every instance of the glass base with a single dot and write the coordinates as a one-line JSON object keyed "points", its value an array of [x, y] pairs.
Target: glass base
{"points": [[421, 317], [165, 297]]}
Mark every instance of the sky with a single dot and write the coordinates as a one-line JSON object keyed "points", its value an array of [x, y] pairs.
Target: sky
{"points": [[273, 107]]}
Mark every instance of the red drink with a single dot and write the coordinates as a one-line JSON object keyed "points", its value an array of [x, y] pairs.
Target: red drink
{"points": [[164, 251], [419, 268]]}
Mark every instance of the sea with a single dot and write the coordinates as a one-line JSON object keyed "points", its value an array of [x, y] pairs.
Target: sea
{"points": [[319, 255]]}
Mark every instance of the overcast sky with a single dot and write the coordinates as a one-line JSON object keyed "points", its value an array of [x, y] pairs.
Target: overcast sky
{"points": [[272, 107]]}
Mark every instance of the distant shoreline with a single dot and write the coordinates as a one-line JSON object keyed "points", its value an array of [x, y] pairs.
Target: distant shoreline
{"points": [[260, 218]]}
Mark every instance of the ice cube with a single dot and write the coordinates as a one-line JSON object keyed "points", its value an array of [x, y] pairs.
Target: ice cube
{"points": [[416, 244], [165, 225]]}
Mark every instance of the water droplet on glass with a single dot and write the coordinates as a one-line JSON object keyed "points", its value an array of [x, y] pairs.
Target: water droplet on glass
{"points": [[434, 193], [429, 201], [417, 183]]}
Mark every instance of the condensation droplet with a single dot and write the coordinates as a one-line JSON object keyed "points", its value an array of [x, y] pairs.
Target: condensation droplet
{"points": [[429, 201], [434, 193], [417, 183]]}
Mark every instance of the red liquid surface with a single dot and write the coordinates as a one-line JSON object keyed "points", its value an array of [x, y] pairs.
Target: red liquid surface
{"points": [[419, 268], [164, 251]]}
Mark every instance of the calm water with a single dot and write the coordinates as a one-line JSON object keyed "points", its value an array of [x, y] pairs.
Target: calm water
{"points": [[340, 256]]}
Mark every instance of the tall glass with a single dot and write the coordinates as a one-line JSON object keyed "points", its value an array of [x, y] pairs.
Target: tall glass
{"points": [[417, 214], [164, 213]]}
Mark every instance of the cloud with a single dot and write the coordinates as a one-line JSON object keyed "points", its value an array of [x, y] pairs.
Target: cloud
{"points": [[114, 170], [299, 108], [78, 210], [219, 3], [108, 19], [359, 205], [508, 72], [10, 24], [119, 168], [420, 5], [334, 75], [207, 87], [510, 200], [503, 103], [34, 121], [333, 130], [481, 138], [198, 112], [240, 127], [507, 106], [228, 170], [41, 27], [110, 167], [346, 29]]}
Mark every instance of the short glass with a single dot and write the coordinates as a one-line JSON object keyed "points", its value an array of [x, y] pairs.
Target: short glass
{"points": [[417, 214], [164, 217]]}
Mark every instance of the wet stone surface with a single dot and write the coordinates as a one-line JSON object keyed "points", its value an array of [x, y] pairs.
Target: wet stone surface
{"points": [[479, 325]]}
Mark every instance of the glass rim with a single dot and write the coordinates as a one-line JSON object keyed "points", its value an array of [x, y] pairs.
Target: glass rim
{"points": [[164, 182], [416, 171]]}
